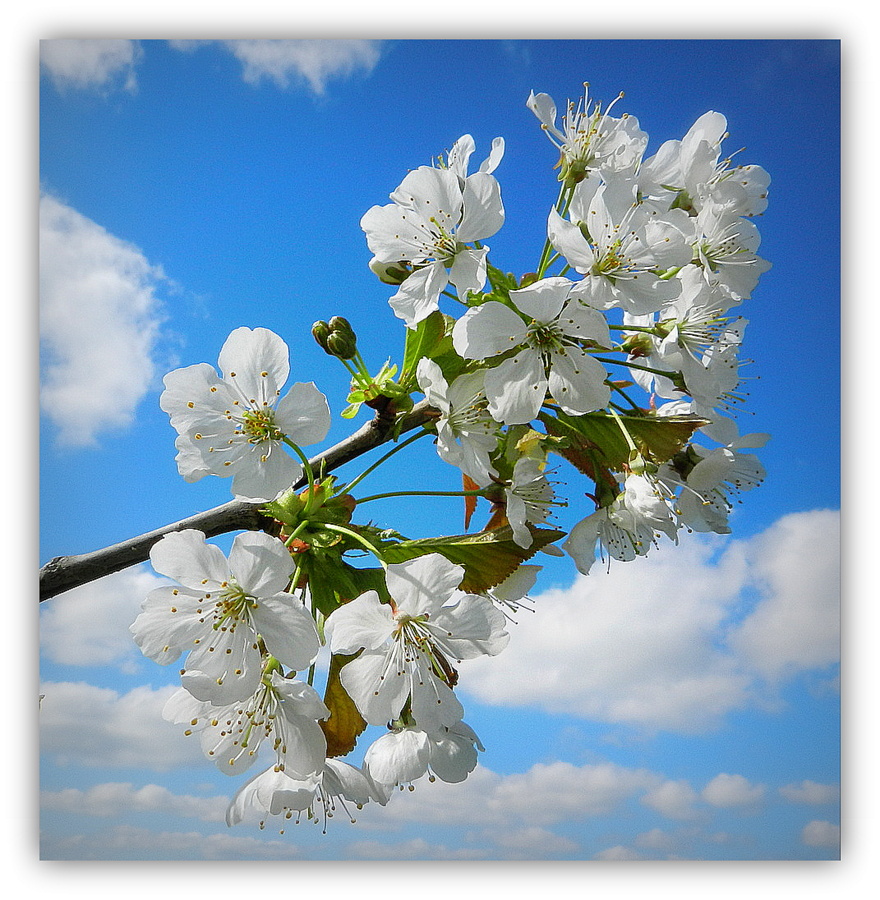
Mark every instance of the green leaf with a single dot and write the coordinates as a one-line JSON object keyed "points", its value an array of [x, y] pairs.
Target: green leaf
{"points": [[596, 445], [345, 722], [488, 557], [422, 341]]}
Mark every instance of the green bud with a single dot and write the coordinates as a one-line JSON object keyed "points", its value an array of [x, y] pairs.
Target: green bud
{"points": [[638, 344], [320, 332], [337, 323], [341, 345]]}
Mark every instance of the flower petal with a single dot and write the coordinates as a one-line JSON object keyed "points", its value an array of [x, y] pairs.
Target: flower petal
{"points": [[303, 414], [256, 363], [422, 585], [185, 557]]}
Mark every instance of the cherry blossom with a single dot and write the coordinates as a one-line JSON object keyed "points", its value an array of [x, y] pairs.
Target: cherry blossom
{"points": [[410, 644], [282, 713], [222, 611], [466, 433], [236, 425], [548, 334], [434, 214]]}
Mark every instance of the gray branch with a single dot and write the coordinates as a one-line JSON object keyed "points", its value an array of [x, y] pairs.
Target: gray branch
{"points": [[66, 572]]}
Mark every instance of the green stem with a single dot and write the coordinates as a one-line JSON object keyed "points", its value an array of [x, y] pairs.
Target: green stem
{"points": [[341, 529], [296, 532], [479, 493], [626, 397], [307, 467], [563, 201], [632, 365], [346, 488]]}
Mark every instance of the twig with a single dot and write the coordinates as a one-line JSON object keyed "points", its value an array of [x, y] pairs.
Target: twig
{"points": [[66, 572]]}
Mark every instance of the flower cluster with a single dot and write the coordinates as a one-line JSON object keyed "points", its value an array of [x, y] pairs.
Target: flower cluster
{"points": [[637, 288]]}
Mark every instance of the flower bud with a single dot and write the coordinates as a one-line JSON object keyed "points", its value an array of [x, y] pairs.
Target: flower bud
{"points": [[337, 323], [341, 345], [390, 273], [320, 332], [638, 344]]}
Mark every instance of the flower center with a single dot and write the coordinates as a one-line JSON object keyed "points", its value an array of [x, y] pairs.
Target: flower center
{"points": [[259, 425]]}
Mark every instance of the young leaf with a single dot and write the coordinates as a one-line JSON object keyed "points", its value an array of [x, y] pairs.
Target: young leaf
{"points": [[596, 445], [488, 557], [345, 722], [422, 341]]}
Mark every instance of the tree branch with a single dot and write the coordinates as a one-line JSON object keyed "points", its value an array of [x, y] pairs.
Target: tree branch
{"points": [[66, 572]]}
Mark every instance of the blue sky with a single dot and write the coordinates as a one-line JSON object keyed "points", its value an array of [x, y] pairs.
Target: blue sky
{"points": [[691, 710]]}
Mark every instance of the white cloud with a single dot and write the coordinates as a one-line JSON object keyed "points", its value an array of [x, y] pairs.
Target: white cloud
{"points": [[99, 321], [821, 834], [543, 795], [115, 798], [796, 565], [415, 848], [316, 61], [559, 791], [97, 727], [728, 791], [661, 642], [618, 853], [89, 625], [533, 843], [127, 842], [673, 799], [656, 839], [810, 792], [90, 63]]}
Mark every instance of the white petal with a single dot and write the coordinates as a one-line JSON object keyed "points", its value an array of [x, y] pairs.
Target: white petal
{"points": [[398, 758], [363, 622], [246, 355], [577, 382], [264, 472], [468, 270], [260, 563], [185, 557], [487, 330], [422, 585], [543, 300], [483, 211], [418, 296], [212, 674], [288, 630], [378, 691], [303, 414], [516, 388]]}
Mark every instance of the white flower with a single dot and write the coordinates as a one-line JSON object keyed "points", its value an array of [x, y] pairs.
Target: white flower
{"points": [[221, 611], [528, 499], [547, 335], [705, 502], [512, 594], [275, 793], [648, 500], [409, 645], [693, 166], [435, 213], [459, 156], [614, 529], [626, 249], [404, 755], [726, 246], [590, 139], [282, 713], [235, 425], [466, 433]]}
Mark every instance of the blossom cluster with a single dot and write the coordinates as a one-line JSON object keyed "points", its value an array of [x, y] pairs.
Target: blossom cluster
{"points": [[637, 288]]}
